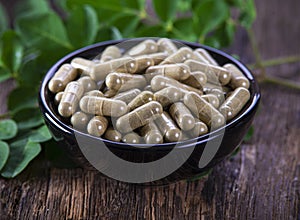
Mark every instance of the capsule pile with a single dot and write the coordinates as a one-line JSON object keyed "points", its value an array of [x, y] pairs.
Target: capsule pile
{"points": [[154, 92]]}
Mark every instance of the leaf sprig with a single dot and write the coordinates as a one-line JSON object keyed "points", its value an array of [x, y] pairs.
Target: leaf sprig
{"points": [[40, 36]]}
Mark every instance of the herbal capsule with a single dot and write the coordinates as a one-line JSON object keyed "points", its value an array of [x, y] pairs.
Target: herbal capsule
{"points": [[65, 74], [160, 82], [184, 136], [180, 56], [168, 96], [147, 88], [204, 110], [209, 69], [127, 96], [177, 71], [112, 134], [237, 77], [108, 93], [199, 129], [79, 120], [98, 71], [158, 57], [212, 99], [145, 47], [125, 81], [168, 128], [143, 98], [234, 103], [138, 117], [207, 56], [97, 126], [103, 106], [70, 99], [198, 57], [166, 45], [196, 79], [143, 62], [131, 138], [151, 133], [58, 97], [87, 83], [110, 53], [96, 93], [215, 90], [182, 115]]}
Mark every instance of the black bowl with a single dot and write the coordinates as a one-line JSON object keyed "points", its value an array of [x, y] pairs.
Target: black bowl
{"points": [[186, 159]]}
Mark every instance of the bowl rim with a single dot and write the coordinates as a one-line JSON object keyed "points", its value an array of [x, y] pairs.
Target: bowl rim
{"points": [[48, 114]]}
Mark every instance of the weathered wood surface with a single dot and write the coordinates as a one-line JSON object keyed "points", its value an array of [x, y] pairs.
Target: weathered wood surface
{"points": [[261, 182]]}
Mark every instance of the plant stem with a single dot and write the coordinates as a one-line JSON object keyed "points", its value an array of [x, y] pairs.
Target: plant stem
{"points": [[280, 81], [277, 61], [5, 115]]}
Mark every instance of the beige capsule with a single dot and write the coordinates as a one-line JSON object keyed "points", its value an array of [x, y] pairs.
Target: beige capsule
{"points": [[103, 106], [145, 47], [182, 115], [151, 133], [79, 120], [127, 96], [212, 99], [237, 77], [143, 98], [166, 45], [168, 96], [216, 90], [87, 83], [199, 129], [131, 138], [181, 55], [204, 110], [96, 93], [98, 71], [108, 93], [65, 74], [207, 56], [168, 128], [234, 103], [112, 134], [69, 101], [97, 126], [177, 71], [198, 57], [158, 57], [110, 53], [196, 79], [223, 75], [160, 82], [124, 81], [57, 97], [147, 88], [143, 62], [138, 117]]}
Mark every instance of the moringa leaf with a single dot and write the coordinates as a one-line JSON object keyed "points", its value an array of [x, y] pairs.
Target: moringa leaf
{"points": [[21, 153], [40, 135], [8, 129], [3, 19], [165, 10], [4, 152]]}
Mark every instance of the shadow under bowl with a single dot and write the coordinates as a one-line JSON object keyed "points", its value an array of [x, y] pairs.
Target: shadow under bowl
{"points": [[159, 164]]}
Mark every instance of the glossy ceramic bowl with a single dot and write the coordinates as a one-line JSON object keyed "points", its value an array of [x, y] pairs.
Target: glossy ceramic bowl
{"points": [[200, 153]]}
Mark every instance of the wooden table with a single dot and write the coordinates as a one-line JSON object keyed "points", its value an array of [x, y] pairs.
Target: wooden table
{"points": [[261, 182]]}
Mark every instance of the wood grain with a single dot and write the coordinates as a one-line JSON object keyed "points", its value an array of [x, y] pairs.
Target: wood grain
{"points": [[261, 182]]}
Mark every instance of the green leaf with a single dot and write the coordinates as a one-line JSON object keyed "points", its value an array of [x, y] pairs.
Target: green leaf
{"points": [[104, 34], [134, 4], [11, 51], [8, 129], [249, 134], [40, 135], [151, 31], [116, 34], [248, 13], [29, 118], [30, 7], [165, 10], [184, 5], [22, 98], [3, 19], [208, 15], [43, 31], [111, 5], [4, 152], [183, 30], [4, 74], [126, 24], [82, 25], [21, 153]]}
